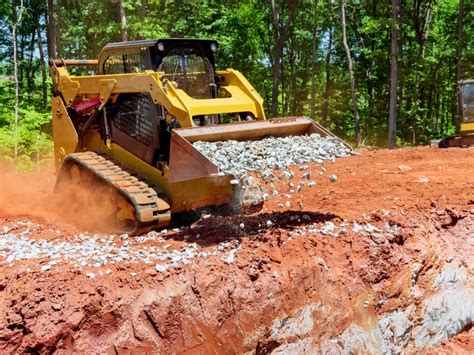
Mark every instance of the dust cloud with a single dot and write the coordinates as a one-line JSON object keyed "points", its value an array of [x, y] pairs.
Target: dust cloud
{"points": [[33, 196]]}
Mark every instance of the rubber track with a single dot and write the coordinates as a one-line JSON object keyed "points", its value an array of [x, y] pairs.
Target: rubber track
{"points": [[150, 203]]}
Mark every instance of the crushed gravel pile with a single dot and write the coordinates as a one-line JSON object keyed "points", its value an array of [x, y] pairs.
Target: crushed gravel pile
{"points": [[263, 156]]}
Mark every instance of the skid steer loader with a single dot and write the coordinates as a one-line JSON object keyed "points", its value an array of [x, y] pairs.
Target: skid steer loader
{"points": [[465, 136], [126, 130]]}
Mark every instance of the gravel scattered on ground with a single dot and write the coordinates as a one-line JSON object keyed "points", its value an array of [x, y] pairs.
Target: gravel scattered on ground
{"points": [[83, 251], [97, 250]]}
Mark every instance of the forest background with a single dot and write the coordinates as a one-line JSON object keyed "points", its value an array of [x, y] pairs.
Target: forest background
{"points": [[376, 73]]}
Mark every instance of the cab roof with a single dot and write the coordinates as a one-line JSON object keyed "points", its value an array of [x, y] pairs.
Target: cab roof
{"points": [[156, 49]]}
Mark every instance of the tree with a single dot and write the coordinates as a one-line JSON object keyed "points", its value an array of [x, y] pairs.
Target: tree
{"points": [[43, 67], [17, 17], [280, 35], [327, 86], [58, 28], [351, 74], [392, 112], [314, 43], [51, 32], [123, 21], [458, 57]]}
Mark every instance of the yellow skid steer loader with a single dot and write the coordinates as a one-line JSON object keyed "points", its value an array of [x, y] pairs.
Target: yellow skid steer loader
{"points": [[127, 129]]}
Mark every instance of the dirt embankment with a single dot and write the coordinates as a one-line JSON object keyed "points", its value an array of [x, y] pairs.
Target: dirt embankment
{"points": [[379, 260]]}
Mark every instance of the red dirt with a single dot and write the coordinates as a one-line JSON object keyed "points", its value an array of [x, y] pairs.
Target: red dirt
{"points": [[286, 291], [25, 193]]}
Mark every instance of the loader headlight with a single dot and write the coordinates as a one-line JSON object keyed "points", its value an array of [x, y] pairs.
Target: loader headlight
{"points": [[213, 47], [161, 47]]}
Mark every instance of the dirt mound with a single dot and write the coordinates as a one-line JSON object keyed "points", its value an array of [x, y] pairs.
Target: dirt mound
{"points": [[376, 259]]}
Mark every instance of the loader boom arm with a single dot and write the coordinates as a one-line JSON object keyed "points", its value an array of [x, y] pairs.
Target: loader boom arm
{"points": [[240, 95]]}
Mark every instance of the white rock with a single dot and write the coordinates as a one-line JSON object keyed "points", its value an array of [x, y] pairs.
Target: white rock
{"points": [[161, 268], [230, 257], [356, 227]]}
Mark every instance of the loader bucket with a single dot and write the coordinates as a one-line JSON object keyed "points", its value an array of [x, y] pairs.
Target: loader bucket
{"points": [[187, 163]]}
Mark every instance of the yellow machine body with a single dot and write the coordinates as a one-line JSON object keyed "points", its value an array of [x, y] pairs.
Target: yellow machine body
{"points": [[189, 179]]}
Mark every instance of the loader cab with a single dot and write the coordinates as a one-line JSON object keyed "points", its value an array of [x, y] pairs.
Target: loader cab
{"points": [[189, 63], [137, 124]]}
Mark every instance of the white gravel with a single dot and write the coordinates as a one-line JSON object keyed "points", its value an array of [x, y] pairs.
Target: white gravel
{"points": [[83, 250], [263, 156], [18, 243]]}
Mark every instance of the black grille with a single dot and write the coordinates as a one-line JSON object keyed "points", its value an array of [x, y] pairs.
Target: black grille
{"points": [[132, 115]]}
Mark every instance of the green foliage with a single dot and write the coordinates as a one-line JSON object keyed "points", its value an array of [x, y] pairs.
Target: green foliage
{"points": [[33, 138], [243, 28]]}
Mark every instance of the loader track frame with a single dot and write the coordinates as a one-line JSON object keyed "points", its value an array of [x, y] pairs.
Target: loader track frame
{"points": [[149, 203]]}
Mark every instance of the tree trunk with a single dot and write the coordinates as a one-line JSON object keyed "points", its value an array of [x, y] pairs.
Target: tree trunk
{"points": [[291, 97], [436, 110], [31, 67], [426, 27], [458, 60], [401, 81], [278, 43], [21, 56], [392, 111], [144, 8], [282, 84], [43, 67], [59, 52], [327, 88], [422, 15], [351, 74], [421, 22], [143, 12], [17, 20], [279, 36], [314, 42], [50, 32], [371, 83], [123, 22]]}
